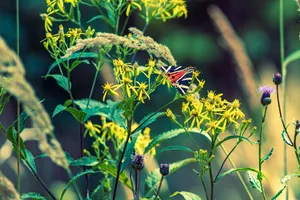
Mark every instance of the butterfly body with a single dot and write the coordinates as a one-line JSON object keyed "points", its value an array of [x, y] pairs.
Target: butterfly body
{"points": [[179, 76]]}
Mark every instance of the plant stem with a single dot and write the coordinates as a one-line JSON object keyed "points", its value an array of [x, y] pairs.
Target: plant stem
{"points": [[295, 147], [137, 184], [129, 123], [238, 173], [227, 156], [81, 155], [18, 102], [160, 183], [203, 184], [283, 70], [259, 152], [40, 180], [210, 170], [131, 182], [75, 184], [93, 85]]}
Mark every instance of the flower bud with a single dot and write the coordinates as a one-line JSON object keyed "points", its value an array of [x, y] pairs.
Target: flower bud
{"points": [[277, 78], [137, 162], [164, 169]]}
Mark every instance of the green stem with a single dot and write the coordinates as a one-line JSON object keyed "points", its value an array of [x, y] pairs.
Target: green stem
{"points": [[295, 147], [238, 173], [259, 152], [160, 183], [227, 156], [125, 23], [18, 102], [93, 86], [212, 184], [204, 187], [129, 123], [283, 70], [131, 182]]}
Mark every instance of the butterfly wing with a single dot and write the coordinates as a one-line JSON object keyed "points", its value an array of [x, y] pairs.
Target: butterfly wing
{"points": [[183, 83], [170, 69]]}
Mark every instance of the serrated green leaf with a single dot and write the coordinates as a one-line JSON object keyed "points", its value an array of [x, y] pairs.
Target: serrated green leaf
{"points": [[129, 151], [286, 138], [116, 113], [33, 195], [187, 195], [175, 148], [171, 134], [235, 170], [73, 56], [254, 182], [268, 155], [154, 177], [278, 193], [30, 159], [77, 114], [233, 137], [112, 169], [288, 177], [75, 178], [61, 80], [85, 161], [147, 120], [58, 109]]}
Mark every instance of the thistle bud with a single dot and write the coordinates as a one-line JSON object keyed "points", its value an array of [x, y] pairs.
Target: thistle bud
{"points": [[137, 162], [277, 78], [164, 169], [266, 94]]}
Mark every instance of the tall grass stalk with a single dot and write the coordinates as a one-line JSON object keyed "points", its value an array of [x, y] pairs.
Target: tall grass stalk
{"points": [[283, 71]]}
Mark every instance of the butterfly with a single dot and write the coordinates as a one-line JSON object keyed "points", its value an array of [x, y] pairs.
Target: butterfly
{"points": [[179, 76]]}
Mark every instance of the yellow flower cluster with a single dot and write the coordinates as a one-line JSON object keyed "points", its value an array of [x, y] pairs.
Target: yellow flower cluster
{"points": [[164, 9], [111, 131], [59, 42], [126, 76], [215, 113]]}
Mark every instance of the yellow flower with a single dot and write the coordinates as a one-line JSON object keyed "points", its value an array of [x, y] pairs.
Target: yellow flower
{"points": [[132, 4], [72, 2], [109, 88], [170, 115], [142, 93], [143, 141], [91, 128], [128, 86]]}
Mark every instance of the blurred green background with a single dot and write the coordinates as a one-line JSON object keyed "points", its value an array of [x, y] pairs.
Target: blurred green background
{"points": [[192, 41]]}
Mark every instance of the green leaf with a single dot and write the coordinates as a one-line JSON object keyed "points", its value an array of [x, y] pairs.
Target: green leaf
{"points": [[77, 114], [233, 137], [32, 195], [61, 80], [268, 155], [30, 159], [102, 17], [187, 195], [278, 193], [102, 191], [236, 170], [254, 182], [147, 120], [286, 138], [85, 161], [288, 177], [75, 178], [109, 110], [78, 62], [154, 177], [171, 134], [292, 57], [58, 109], [108, 166], [73, 56], [175, 148], [129, 151]]}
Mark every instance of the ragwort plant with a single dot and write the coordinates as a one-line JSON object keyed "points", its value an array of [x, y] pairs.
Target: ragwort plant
{"points": [[120, 144]]}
